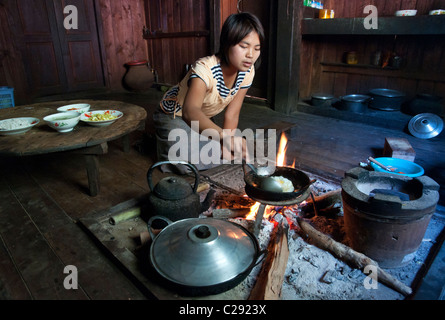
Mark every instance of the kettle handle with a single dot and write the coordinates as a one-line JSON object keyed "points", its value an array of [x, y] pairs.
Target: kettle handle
{"points": [[191, 166], [150, 222]]}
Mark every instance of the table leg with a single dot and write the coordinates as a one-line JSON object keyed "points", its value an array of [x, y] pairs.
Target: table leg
{"points": [[126, 143], [91, 155], [92, 163]]}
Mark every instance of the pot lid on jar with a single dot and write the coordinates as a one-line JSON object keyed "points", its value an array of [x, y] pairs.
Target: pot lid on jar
{"points": [[389, 93], [425, 126], [203, 252], [355, 98], [322, 96]]}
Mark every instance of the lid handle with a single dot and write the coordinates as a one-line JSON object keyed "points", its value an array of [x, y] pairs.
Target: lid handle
{"points": [[203, 232], [191, 166], [152, 220]]}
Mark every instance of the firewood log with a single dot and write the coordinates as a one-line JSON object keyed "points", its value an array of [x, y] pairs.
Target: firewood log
{"points": [[270, 279]]}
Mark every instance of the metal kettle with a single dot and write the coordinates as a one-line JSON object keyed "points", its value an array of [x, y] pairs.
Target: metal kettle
{"points": [[173, 197]]}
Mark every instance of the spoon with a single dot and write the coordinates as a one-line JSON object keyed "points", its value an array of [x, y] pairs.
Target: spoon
{"points": [[271, 185], [379, 164], [262, 171], [266, 182]]}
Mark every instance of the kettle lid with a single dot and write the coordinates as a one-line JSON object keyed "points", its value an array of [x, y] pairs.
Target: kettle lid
{"points": [[173, 188]]}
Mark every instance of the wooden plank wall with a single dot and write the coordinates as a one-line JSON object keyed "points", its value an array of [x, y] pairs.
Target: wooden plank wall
{"points": [[169, 55], [12, 70], [227, 8], [122, 41], [123, 22], [423, 69]]}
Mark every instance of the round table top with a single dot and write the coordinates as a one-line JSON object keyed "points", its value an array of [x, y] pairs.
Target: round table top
{"points": [[42, 139]]}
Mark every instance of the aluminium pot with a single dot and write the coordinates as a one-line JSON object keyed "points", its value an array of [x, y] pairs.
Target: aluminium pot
{"points": [[321, 100], [386, 99], [202, 256], [354, 103]]}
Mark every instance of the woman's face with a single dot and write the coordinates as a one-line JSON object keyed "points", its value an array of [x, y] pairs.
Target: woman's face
{"points": [[244, 55]]}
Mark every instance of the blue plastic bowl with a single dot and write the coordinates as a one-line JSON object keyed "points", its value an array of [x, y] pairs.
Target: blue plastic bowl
{"points": [[407, 168]]}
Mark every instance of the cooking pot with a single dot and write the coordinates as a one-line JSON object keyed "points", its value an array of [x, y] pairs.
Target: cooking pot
{"points": [[425, 103], [203, 256], [354, 103], [321, 100], [386, 99], [173, 197]]}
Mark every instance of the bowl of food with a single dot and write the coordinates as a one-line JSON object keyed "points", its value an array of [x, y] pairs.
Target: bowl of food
{"points": [[14, 126], [79, 107], [399, 166], [406, 13], [437, 12], [101, 118], [63, 122]]}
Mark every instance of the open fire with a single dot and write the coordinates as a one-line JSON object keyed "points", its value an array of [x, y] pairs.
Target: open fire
{"points": [[270, 210]]}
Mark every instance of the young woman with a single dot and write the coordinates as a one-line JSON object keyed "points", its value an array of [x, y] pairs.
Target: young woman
{"points": [[214, 84]]}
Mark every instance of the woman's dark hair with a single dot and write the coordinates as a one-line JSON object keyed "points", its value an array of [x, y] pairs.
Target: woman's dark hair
{"points": [[236, 28]]}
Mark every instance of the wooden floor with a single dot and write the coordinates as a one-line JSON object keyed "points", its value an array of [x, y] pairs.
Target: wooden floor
{"points": [[42, 197]]}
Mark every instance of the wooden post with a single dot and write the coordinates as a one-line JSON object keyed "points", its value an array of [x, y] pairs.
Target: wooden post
{"points": [[287, 64]]}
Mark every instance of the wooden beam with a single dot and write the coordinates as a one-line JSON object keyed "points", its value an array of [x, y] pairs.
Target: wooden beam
{"points": [[287, 78]]}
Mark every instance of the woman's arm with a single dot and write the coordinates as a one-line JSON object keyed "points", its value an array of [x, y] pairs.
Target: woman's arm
{"points": [[232, 112], [192, 108], [233, 145]]}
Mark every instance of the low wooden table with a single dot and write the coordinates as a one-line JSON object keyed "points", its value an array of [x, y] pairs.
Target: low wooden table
{"points": [[84, 139]]}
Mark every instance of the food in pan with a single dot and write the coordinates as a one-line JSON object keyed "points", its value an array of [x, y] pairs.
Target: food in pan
{"points": [[286, 184]]}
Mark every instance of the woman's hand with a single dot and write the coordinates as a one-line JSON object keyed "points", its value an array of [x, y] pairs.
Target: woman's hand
{"points": [[233, 148]]}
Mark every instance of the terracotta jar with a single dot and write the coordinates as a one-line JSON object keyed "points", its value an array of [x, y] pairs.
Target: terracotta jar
{"points": [[139, 76]]}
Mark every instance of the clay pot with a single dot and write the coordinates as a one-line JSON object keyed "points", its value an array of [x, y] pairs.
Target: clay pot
{"points": [[139, 76]]}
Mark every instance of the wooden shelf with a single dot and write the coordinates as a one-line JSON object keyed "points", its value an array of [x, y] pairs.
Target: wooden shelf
{"points": [[419, 25], [370, 70]]}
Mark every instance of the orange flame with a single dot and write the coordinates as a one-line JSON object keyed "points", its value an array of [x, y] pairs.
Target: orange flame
{"points": [[281, 155], [281, 162], [268, 212]]}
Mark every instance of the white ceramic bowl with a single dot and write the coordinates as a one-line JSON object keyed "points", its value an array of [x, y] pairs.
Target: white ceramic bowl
{"points": [[406, 13], [437, 12], [13, 126], [101, 118], [79, 107], [64, 121]]}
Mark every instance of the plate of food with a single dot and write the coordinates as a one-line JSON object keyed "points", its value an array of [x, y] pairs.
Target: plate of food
{"points": [[13, 126], [101, 118], [79, 107]]}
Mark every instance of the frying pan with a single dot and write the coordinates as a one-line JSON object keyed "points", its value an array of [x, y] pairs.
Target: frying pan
{"points": [[298, 178]]}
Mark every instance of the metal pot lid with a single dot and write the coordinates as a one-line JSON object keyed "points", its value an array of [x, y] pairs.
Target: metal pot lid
{"points": [[425, 125], [356, 98], [322, 96], [203, 252], [389, 93]]}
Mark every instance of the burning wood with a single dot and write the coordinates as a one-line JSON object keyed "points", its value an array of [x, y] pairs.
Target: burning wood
{"points": [[231, 201], [323, 204]]}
